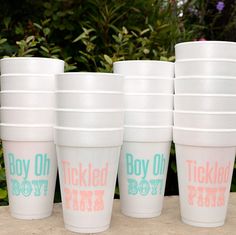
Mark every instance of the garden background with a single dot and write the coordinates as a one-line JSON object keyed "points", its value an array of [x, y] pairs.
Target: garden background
{"points": [[91, 34]]}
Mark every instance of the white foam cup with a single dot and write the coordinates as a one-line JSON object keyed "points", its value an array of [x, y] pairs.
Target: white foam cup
{"points": [[89, 100], [205, 161], [88, 81], [27, 115], [144, 68], [30, 163], [152, 117], [39, 99], [148, 101], [205, 67], [28, 82], [143, 169], [147, 84], [205, 85], [205, 49], [31, 65], [95, 118], [87, 173], [208, 120], [205, 102]]}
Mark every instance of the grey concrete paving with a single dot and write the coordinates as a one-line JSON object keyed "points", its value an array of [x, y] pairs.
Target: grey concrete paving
{"points": [[168, 223]]}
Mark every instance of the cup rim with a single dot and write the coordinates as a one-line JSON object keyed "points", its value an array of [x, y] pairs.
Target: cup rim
{"points": [[141, 61], [150, 110], [43, 75], [204, 113], [204, 42], [32, 58], [95, 74], [148, 127], [89, 110], [195, 77], [3, 108], [88, 92], [26, 92], [88, 129], [204, 95], [206, 60], [147, 94], [26, 125], [142, 77], [204, 130]]}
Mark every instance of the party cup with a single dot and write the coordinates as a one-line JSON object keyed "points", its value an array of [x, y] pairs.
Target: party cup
{"points": [[87, 172], [28, 82], [27, 115], [86, 81], [144, 68], [89, 100], [148, 85], [205, 162], [30, 99], [205, 49], [208, 120], [31, 65], [205, 102], [143, 169], [205, 67], [152, 117], [30, 163], [95, 118], [205, 85], [148, 101]]}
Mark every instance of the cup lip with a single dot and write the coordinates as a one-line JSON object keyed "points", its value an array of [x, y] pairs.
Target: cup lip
{"points": [[205, 60], [88, 129], [150, 110], [4, 108], [204, 95], [95, 74], [26, 92], [204, 42], [43, 75], [26, 125], [195, 77], [32, 58], [204, 130], [88, 92], [147, 94], [141, 61], [142, 78], [89, 110], [204, 113], [148, 127]]}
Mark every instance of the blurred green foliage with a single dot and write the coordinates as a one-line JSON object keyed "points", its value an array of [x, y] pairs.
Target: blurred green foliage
{"points": [[90, 35]]}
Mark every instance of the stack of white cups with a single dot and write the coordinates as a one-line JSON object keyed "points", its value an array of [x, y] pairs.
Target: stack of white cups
{"points": [[148, 87], [205, 129], [88, 137], [27, 119]]}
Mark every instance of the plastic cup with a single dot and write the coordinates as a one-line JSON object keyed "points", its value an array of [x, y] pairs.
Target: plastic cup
{"points": [[148, 101], [205, 168], [205, 102], [31, 65], [148, 85], [205, 49], [87, 173], [27, 116], [95, 118], [89, 100], [143, 169], [205, 85], [144, 68], [31, 167], [86, 81], [140, 117], [205, 67], [28, 82], [207, 120], [30, 99]]}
